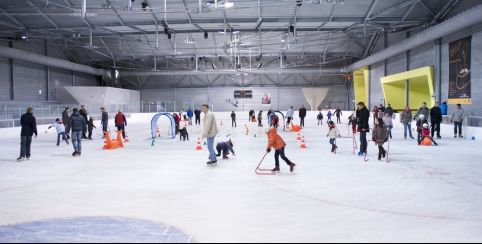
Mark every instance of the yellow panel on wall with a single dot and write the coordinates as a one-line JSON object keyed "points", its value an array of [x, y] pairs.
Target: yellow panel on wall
{"points": [[420, 88]]}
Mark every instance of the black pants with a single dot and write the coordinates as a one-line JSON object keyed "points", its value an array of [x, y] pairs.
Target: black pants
{"points": [[289, 121], [84, 132], [338, 119], [458, 125], [277, 154], [90, 133], [260, 122], [435, 128], [198, 120], [302, 121], [25, 142], [233, 123], [381, 151], [363, 142], [122, 128]]}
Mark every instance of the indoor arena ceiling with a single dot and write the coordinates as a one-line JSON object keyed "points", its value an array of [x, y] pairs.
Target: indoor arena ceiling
{"points": [[186, 35]]}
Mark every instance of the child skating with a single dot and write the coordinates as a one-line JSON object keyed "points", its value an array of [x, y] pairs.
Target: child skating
{"points": [[225, 148], [333, 133], [353, 121], [320, 118], [60, 128], [426, 134], [275, 141], [380, 136], [388, 121], [420, 122], [329, 115], [90, 127]]}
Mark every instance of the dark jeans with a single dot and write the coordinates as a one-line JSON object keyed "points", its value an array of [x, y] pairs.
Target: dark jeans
{"points": [[77, 140], [338, 119], [233, 123], [104, 127], [260, 122], [435, 128], [64, 137], [381, 151], [407, 129], [281, 153], [289, 121], [25, 142], [198, 120], [122, 128], [302, 121], [320, 121], [458, 125], [363, 142]]}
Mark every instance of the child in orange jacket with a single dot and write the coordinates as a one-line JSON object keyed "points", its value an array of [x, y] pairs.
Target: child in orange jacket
{"points": [[275, 141]]}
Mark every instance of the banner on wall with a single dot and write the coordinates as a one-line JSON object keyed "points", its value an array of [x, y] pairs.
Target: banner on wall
{"points": [[459, 72], [266, 100]]}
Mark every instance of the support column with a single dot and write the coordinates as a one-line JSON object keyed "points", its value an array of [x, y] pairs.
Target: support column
{"points": [[438, 69], [47, 70], [12, 89], [407, 68]]}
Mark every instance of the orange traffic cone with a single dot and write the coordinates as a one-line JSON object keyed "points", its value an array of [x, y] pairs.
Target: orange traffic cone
{"points": [[199, 147], [303, 145], [298, 138]]}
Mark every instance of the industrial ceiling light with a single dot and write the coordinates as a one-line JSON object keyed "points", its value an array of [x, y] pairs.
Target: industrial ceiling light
{"points": [[292, 29], [206, 35], [299, 3], [260, 65], [24, 35]]}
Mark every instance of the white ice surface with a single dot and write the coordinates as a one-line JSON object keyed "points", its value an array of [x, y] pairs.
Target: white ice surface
{"points": [[426, 194]]}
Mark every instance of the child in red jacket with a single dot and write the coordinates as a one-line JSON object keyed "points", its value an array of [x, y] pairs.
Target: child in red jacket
{"points": [[426, 134]]}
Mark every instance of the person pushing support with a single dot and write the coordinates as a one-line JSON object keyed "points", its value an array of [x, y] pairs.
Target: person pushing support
{"points": [[275, 141]]}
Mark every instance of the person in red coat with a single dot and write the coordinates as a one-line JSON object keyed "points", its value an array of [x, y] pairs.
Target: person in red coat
{"points": [[426, 134], [177, 119], [121, 123]]}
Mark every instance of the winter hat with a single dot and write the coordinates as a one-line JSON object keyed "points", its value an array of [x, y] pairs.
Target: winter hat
{"points": [[425, 125], [421, 116]]}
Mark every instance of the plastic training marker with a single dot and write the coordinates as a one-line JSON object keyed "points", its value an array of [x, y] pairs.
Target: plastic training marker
{"points": [[198, 146], [303, 144]]}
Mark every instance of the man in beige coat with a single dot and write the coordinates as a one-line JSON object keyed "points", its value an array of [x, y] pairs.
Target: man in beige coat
{"points": [[210, 131]]}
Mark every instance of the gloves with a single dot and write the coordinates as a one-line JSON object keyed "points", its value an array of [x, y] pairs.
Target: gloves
{"points": [[268, 150]]}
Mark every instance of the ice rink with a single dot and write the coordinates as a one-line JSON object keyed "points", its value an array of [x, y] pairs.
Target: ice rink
{"points": [[426, 194]]}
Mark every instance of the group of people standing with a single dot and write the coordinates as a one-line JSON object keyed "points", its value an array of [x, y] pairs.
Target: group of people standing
{"points": [[76, 127]]}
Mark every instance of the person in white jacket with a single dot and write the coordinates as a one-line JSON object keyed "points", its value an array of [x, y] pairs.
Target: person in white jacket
{"points": [[209, 132], [60, 128], [333, 133], [290, 115]]}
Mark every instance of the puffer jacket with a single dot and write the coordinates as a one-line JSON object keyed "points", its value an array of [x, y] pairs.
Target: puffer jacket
{"points": [[380, 134], [333, 133], [274, 140], [77, 122]]}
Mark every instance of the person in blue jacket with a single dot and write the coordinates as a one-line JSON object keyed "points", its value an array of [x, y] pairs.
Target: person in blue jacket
{"points": [[190, 114], [329, 114], [444, 108]]}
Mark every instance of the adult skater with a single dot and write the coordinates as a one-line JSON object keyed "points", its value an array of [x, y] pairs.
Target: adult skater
{"points": [[209, 132], [436, 120], [388, 122], [233, 120], [457, 118], [302, 114], [77, 124], [260, 118], [422, 111], [268, 115], [406, 119], [65, 121], [338, 115], [381, 111], [29, 128], [84, 114], [389, 110], [290, 115], [275, 141], [363, 116], [104, 121], [197, 116], [225, 148], [190, 114], [121, 123], [380, 136]]}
